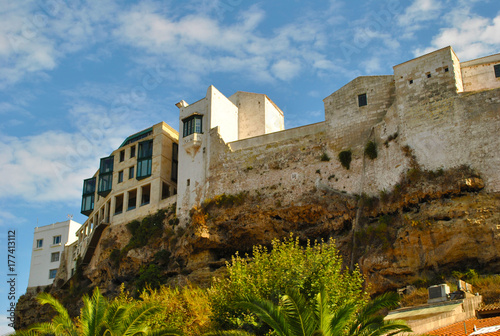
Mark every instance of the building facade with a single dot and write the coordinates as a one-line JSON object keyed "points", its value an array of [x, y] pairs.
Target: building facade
{"points": [[49, 242], [135, 180]]}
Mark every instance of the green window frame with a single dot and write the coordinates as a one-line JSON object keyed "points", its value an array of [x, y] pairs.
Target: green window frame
{"points": [[497, 70], [88, 196], [192, 124], [175, 161], [106, 176], [144, 159]]}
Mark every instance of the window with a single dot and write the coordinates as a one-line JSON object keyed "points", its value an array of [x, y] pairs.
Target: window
{"points": [[39, 243], [192, 124], [175, 161], [122, 155], [120, 176], [410, 81], [132, 151], [52, 273], [144, 159], [165, 190], [105, 176], [446, 69], [429, 75], [146, 191], [88, 196], [188, 182], [118, 204], [497, 70], [362, 100], [56, 240], [54, 257], [131, 172], [132, 199]]}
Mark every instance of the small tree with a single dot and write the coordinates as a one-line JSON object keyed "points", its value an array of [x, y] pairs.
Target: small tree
{"points": [[294, 316], [270, 273]]}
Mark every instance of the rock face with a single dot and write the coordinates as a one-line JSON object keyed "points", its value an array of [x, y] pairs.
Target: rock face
{"points": [[430, 224]]}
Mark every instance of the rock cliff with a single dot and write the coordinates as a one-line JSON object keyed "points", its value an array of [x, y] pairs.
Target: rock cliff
{"points": [[431, 224]]}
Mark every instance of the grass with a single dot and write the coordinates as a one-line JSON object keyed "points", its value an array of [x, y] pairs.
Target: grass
{"points": [[345, 158]]}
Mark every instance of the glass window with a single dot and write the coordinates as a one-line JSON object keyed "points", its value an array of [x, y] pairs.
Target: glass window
{"points": [[145, 149], [497, 70], [118, 204], [52, 273], [132, 151], [131, 172], [105, 176], [120, 176], [106, 165], [56, 240], [362, 100], [54, 257], [122, 155], [39, 243], [144, 168], [192, 124], [88, 196], [175, 163]]}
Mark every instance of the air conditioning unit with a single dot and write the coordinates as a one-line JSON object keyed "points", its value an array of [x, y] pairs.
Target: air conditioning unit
{"points": [[438, 293]]}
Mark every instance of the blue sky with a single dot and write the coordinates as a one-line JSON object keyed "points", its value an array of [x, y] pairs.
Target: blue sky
{"points": [[78, 77]]}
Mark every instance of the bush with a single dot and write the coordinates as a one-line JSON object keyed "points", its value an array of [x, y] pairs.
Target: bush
{"points": [[270, 272], [141, 232], [345, 158], [324, 157], [371, 150], [186, 309]]}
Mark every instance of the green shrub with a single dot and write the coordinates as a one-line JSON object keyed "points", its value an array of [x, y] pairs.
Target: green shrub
{"points": [[271, 271], [371, 150], [324, 157], [149, 276], [141, 232], [345, 158]]}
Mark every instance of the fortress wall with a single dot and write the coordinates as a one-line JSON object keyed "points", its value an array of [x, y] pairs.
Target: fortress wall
{"points": [[427, 79], [480, 74], [350, 123]]}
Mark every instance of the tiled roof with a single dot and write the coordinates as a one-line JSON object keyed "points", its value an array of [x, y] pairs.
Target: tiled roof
{"points": [[491, 306], [457, 329]]}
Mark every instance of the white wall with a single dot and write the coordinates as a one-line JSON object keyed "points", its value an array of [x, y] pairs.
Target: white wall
{"points": [[41, 262]]}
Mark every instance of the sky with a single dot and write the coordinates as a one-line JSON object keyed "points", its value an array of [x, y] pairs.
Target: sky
{"points": [[77, 77]]}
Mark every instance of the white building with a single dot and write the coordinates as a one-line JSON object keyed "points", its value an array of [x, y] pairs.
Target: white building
{"points": [[48, 246]]}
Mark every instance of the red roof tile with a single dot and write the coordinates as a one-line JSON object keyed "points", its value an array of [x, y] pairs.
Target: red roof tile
{"points": [[457, 329], [491, 306]]}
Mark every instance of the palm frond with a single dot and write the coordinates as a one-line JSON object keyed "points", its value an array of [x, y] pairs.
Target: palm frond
{"points": [[269, 313], [228, 333], [300, 316]]}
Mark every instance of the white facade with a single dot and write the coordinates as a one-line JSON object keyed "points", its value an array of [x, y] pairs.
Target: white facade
{"points": [[48, 246], [241, 116]]}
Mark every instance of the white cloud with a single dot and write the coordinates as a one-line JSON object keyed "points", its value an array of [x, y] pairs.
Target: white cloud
{"points": [[419, 12], [34, 36], [285, 70], [471, 36]]}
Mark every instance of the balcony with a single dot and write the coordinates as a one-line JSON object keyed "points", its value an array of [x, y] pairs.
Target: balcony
{"points": [[192, 143]]}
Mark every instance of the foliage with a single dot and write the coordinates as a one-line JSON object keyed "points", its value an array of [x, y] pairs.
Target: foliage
{"points": [[99, 317], [377, 234], [295, 316], [142, 232], [225, 200], [371, 150], [149, 275], [345, 158], [324, 157], [271, 272], [186, 309]]}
